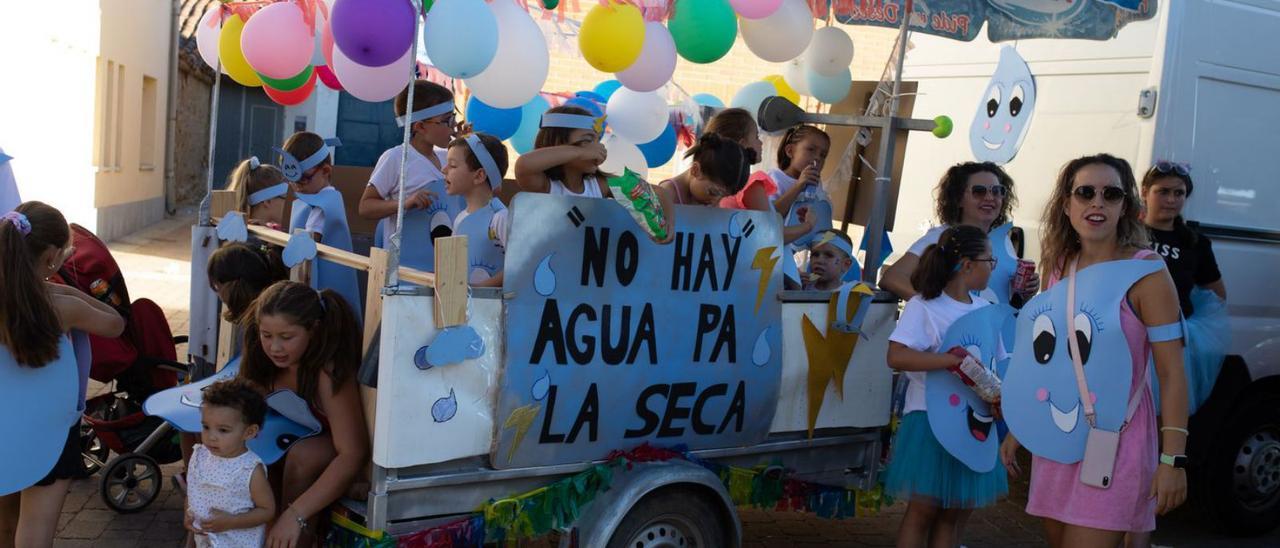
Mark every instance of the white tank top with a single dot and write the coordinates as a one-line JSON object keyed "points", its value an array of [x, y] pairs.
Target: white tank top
{"points": [[591, 188], [219, 483]]}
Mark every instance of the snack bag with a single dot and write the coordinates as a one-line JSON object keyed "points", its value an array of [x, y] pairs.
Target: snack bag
{"points": [[977, 377], [641, 202]]}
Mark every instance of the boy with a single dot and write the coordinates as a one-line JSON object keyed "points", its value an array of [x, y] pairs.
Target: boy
{"points": [[474, 170], [830, 257]]}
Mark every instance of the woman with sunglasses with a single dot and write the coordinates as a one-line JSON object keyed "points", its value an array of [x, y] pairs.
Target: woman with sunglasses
{"points": [[971, 193], [1093, 217]]}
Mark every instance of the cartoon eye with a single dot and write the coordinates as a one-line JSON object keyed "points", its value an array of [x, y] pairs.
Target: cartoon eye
{"points": [[993, 101], [441, 226], [976, 352], [1084, 336], [1015, 100], [1043, 339]]}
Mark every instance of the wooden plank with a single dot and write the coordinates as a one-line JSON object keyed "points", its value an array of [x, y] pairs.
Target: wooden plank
{"points": [[342, 257], [222, 202], [226, 340], [451, 281], [378, 262]]}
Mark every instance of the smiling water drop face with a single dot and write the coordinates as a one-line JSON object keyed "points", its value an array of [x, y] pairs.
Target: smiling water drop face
{"points": [[1004, 110]]}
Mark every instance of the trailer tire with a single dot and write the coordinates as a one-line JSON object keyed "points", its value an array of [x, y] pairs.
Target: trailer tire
{"points": [[1243, 479], [671, 518]]}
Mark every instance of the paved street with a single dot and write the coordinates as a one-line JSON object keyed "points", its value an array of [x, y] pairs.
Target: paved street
{"points": [[155, 263]]}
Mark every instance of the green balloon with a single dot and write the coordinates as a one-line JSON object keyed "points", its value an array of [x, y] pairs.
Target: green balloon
{"points": [[703, 30], [550, 4], [288, 84]]}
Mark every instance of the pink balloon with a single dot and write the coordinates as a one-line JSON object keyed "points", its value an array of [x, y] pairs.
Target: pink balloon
{"points": [[326, 44], [657, 61], [328, 77], [755, 9], [372, 84], [276, 42]]}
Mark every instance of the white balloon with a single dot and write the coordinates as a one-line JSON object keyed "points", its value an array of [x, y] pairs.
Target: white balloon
{"points": [[794, 74], [207, 37], [638, 117], [372, 84], [623, 153], [782, 36], [831, 51], [317, 52], [657, 60], [519, 69]]}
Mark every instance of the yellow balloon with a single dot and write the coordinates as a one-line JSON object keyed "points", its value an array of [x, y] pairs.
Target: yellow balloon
{"points": [[612, 36], [784, 89], [233, 62]]}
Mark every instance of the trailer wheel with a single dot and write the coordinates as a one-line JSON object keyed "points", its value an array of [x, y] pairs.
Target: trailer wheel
{"points": [[1244, 469], [670, 518]]}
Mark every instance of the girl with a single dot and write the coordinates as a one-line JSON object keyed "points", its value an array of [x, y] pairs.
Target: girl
{"points": [[1093, 216], [800, 159], [229, 502], [260, 192], [739, 126], [238, 272], [720, 168], [971, 193], [308, 341], [476, 165], [432, 125], [34, 317], [940, 490]]}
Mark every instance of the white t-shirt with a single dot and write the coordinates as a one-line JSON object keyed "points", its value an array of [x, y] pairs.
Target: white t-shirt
{"points": [[784, 182], [931, 237], [921, 327], [315, 221], [418, 171]]}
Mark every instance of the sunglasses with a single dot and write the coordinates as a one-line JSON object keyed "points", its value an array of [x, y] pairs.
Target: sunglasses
{"points": [[994, 261], [1164, 167], [980, 191], [1110, 194]]}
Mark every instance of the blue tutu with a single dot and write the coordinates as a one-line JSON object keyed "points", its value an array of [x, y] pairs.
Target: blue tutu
{"points": [[1208, 336], [922, 468]]}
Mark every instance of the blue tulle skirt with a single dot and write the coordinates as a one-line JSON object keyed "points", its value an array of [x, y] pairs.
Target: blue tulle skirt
{"points": [[922, 468], [1208, 337]]}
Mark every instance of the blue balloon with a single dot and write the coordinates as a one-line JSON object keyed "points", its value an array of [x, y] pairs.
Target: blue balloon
{"points": [[530, 122], [659, 151], [750, 96], [829, 89], [461, 54], [499, 122], [708, 100], [606, 88]]}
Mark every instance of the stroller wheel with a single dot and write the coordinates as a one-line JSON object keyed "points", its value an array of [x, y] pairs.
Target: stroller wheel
{"points": [[94, 452], [131, 482]]}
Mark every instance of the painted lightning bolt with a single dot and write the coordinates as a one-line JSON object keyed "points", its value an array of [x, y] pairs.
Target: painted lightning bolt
{"points": [[764, 261]]}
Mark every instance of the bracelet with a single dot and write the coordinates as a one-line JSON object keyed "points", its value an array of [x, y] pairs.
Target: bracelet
{"points": [[297, 517], [1184, 431]]}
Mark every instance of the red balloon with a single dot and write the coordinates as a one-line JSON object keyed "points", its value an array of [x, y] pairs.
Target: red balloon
{"points": [[327, 76], [292, 97]]}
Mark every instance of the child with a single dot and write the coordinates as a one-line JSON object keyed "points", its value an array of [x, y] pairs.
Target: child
{"points": [[720, 168], [308, 341], [260, 192], [801, 156], [475, 167], [35, 316], [830, 258], [940, 489], [238, 272], [432, 125], [229, 500]]}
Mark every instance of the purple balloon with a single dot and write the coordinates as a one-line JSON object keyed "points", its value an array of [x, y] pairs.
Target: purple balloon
{"points": [[372, 33]]}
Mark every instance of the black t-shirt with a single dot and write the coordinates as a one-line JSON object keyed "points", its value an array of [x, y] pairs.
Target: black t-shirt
{"points": [[1190, 264]]}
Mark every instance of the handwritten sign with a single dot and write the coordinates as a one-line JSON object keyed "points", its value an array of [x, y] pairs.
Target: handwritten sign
{"points": [[614, 340]]}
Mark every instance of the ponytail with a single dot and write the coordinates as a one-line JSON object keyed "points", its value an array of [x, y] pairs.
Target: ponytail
{"points": [[941, 261], [29, 325], [250, 176], [334, 343]]}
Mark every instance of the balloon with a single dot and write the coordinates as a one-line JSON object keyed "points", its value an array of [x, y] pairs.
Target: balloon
{"points": [[295, 96], [372, 84], [326, 44], [751, 95], [499, 122], [317, 41], [520, 67], [785, 91], [782, 36], [659, 151], [708, 100], [755, 9], [657, 61], [598, 98], [606, 88], [276, 42], [288, 84], [830, 89], [794, 74], [530, 122], [831, 52], [233, 62], [326, 75], [461, 37], [611, 36], [623, 154], [207, 36], [373, 33], [590, 105], [637, 117], [703, 30]]}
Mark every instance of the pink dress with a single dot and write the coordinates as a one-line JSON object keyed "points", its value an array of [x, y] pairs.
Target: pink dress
{"points": [[759, 178], [1056, 490]]}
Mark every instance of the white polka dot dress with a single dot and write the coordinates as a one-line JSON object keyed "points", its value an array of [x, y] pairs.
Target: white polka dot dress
{"points": [[217, 483]]}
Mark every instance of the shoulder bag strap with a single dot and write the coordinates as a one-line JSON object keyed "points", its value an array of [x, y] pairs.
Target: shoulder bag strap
{"points": [[1074, 346]]}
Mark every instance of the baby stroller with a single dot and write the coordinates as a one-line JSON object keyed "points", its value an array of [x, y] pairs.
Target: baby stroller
{"points": [[137, 364]]}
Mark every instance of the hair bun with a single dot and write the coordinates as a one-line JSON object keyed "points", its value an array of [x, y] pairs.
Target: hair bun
{"points": [[710, 140]]}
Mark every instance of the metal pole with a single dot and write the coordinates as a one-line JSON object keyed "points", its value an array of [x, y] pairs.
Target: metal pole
{"points": [[205, 218], [393, 241], [888, 138]]}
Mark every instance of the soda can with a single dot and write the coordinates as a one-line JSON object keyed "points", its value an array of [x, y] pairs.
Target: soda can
{"points": [[1022, 276]]}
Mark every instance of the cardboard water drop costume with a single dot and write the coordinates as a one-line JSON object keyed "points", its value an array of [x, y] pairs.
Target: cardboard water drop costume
{"points": [[963, 422], [37, 406]]}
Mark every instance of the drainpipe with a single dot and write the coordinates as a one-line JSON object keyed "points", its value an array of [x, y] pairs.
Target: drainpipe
{"points": [[171, 119]]}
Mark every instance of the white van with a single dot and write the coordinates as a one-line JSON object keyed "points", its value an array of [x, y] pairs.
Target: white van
{"points": [[1200, 83]]}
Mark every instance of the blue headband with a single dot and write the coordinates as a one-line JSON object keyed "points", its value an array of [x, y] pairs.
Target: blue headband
{"points": [[572, 121], [293, 169], [830, 238], [273, 191], [429, 112], [486, 160]]}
